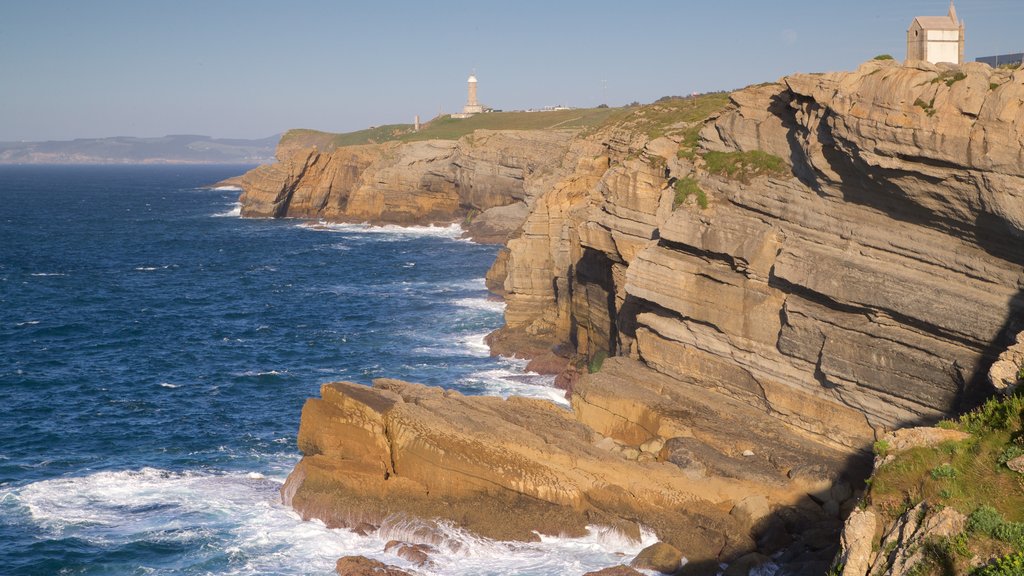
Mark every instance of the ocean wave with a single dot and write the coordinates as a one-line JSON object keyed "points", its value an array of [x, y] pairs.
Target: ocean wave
{"points": [[44, 274], [513, 381], [452, 231], [27, 323], [227, 189], [235, 211], [234, 523], [483, 304]]}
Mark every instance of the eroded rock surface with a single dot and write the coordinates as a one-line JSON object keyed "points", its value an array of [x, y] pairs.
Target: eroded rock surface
{"points": [[488, 180]]}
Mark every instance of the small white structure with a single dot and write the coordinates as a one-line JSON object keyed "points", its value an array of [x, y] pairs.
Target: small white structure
{"points": [[936, 38], [472, 106]]}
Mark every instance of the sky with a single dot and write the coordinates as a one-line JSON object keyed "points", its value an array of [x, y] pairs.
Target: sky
{"points": [[254, 68]]}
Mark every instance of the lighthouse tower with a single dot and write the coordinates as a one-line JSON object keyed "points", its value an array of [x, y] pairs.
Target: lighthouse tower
{"points": [[472, 106]]}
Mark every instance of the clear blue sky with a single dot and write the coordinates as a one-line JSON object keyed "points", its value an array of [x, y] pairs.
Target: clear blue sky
{"points": [[253, 68]]}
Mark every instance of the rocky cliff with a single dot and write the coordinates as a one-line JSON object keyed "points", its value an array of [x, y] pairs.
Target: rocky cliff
{"points": [[488, 179], [824, 259], [862, 287]]}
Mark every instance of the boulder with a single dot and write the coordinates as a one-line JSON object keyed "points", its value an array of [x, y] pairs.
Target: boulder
{"points": [[660, 557], [363, 566]]}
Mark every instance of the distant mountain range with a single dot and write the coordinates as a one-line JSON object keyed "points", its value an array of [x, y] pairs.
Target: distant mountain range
{"points": [[176, 149]]}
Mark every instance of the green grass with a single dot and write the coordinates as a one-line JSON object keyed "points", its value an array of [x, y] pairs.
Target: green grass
{"points": [[668, 116], [744, 166], [672, 116], [686, 187], [949, 77], [968, 477], [448, 128]]}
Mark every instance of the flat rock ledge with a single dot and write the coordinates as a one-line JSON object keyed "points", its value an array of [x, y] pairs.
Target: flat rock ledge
{"points": [[510, 469]]}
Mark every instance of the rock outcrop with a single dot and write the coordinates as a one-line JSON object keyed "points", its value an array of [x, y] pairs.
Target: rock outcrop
{"points": [[508, 469], [488, 179], [866, 288], [837, 256]]}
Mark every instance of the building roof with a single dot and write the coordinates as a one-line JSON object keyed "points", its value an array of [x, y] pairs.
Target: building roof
{"points": [[937, 23], [947, 22]]}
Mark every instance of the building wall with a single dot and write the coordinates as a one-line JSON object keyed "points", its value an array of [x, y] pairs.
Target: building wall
{"points": [[943, 52]]}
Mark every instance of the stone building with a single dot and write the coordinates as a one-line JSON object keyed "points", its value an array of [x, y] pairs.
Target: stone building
{"points": [[936, 38]]}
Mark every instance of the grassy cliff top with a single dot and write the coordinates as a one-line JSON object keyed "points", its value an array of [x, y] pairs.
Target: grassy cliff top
{"points": [[667, 116]]}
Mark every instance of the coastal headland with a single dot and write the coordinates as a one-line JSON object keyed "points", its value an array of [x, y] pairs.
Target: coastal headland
{"points": [[740, 294]]}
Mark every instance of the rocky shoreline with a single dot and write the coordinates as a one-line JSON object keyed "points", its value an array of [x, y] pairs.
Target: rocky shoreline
{"points": [[739, 305]]}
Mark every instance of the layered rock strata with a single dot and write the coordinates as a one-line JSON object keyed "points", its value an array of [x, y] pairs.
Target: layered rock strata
{"points": [[637, 451], [866, 289], [756, 345], [488, 179]]}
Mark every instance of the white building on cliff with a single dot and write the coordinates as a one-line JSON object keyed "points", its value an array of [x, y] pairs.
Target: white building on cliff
{"points": [[936, 38]]}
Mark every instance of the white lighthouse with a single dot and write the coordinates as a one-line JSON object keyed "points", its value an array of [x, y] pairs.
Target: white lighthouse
{"points": [[472, 106]]}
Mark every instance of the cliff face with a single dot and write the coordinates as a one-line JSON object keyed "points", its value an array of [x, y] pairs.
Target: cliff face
{"points": [[834, 256], [491, 177], [861, 290]]}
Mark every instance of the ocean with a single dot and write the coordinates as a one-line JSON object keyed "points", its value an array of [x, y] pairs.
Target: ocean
{"points": [[155, 353]]}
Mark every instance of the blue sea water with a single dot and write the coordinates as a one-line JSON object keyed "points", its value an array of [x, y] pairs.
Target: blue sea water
{"points": [[155, 353]]}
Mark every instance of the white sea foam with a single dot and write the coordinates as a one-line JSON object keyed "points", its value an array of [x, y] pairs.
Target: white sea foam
{"points": [[389, 231], [28, 323], [168, 385], [483, 304], [237, 518], [145, 268], [513, 381], [227, 189], [43, 274], [236, 210]]}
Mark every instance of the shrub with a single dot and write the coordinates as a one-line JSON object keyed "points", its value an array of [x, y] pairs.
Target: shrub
{"points": [[1012, 451], [1010, 532], [943, 471], [880, 448], [995, 414], [685, 187], [743, 166], [883, 57], [596, 362], [1010, 565], [949, 77], [984, 520]]}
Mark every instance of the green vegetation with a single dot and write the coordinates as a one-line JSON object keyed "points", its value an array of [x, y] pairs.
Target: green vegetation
{"points": [[685, 187], [1009, 565], [672, 115], [928, 107], [448, 128], [970, 476], [949, 77], [744, 166], [880, 448], [883, 57], [596, 362]]}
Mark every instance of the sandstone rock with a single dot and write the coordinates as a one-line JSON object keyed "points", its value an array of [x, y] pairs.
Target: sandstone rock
{"points": [[660, 557], [503, 469], [362, 566], [855, 551], [903, 542], [922, 436], [1005, 371], [418, 554], [495, 176], [615, 571], [748, 564], [1016, 464]]}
